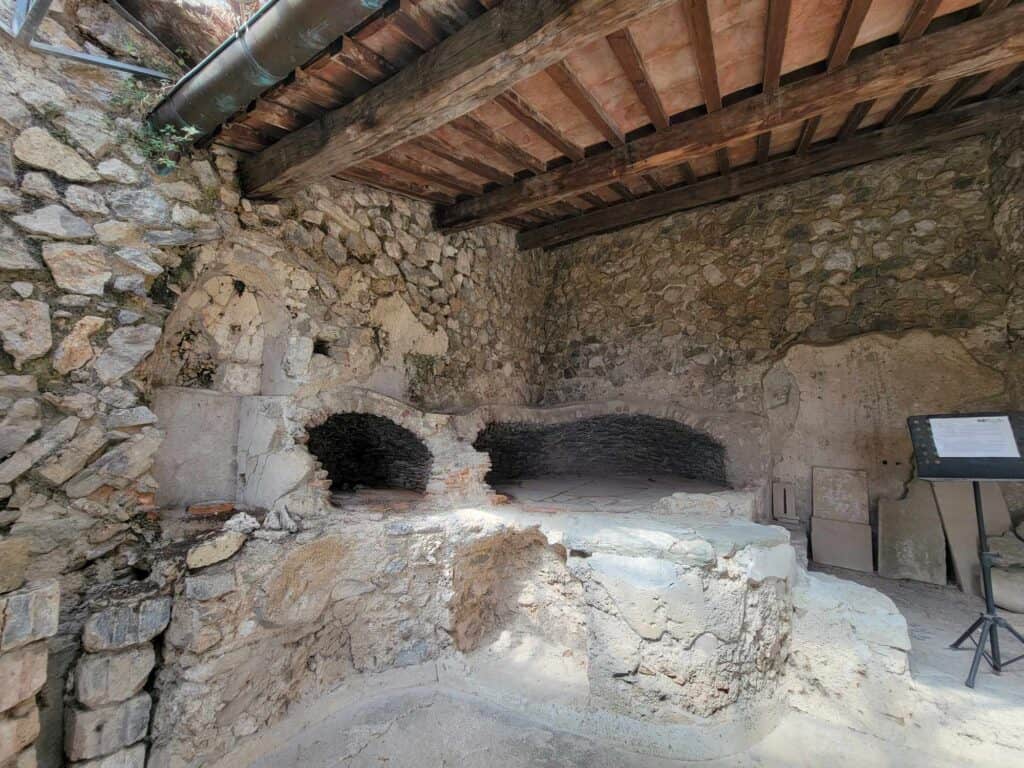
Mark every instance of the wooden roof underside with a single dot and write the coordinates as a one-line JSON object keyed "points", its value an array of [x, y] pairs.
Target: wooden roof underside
{"points": [[678, 63]]}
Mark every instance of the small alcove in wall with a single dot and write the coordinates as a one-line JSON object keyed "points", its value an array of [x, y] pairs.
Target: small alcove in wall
{"points": [[362, 450], [610, 451]]}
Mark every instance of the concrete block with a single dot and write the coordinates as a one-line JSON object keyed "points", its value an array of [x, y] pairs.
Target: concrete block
{"points": [[22, 674], [911, 544], [959, 521], [29, 614], [121, 626], [98, 732], [102, 679], [843, 544], [840, 494]]}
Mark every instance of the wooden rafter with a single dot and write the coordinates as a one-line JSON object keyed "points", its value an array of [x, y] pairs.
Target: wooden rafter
{"points": [[457, 156], [698, 21], [569, 83], [481, 132], [979, 45], [530, 117], [927, 131], [774, 48], [464, 71], [920, 16], [624, 47]]}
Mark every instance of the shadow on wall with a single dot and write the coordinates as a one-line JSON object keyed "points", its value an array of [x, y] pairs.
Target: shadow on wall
{"points": [[361, 450], [603, 445]]}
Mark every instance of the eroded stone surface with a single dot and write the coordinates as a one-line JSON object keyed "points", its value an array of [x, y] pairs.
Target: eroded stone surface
{"points": [[121, 626], [94, 733], [37, 148], [107, 678], [25, 329], [77, 268]]}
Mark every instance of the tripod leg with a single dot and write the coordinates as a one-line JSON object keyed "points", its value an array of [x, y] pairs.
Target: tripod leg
{"points": [[978, 652], [997, 663], [970, 631], [1009, 628]]}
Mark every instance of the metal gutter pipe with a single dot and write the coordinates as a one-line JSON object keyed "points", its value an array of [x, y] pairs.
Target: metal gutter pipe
{"points": [[280, 37]]}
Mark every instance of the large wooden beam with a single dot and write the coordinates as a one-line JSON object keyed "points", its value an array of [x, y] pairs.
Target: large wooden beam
{"points": [[775, 33], [479, 62], [698, 20], [921, 133], [974, 46]]}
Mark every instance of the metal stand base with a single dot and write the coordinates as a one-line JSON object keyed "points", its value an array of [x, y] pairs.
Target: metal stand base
{"points": [[989, 622]]}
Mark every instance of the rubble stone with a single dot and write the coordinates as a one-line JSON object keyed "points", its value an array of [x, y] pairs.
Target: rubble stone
{"points": [[37, 148], [25, 329], [127, 346], [100, 732], [14, 555], [77, 268], [75, 349], [22, 674], [220, 547], [107, 678], [29, 614], [55, 221], [122, 626]]}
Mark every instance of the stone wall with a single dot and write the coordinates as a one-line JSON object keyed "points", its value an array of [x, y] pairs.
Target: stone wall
{"points": [[734, 306]]}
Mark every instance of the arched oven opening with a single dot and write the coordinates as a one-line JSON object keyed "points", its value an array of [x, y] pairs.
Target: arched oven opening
{"points": [[361, 450]]}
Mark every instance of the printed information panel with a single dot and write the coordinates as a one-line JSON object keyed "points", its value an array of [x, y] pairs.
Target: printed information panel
{"points": [[968, 446]]}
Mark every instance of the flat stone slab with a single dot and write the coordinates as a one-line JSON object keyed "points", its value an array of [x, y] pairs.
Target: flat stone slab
{"points": [[840, 494], [911, 544], [956, 509], [843, 544]]}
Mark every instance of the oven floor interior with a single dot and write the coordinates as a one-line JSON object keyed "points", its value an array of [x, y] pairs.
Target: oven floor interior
{"points": [[589, 493]]}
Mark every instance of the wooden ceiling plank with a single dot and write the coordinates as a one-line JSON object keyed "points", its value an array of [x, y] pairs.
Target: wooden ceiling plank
{"points": [[569, 83], [926, 131], [453, 155], [480, 131], [530, 117], [973, 46], [625, 49], [962, 86], [466, 70]]}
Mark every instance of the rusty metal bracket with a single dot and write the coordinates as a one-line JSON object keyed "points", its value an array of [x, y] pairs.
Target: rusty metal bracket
{"points": [[29, 14]]}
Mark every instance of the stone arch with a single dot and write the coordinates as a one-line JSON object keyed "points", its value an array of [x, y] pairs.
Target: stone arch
{"points": [[365, 450], [224, 334]]}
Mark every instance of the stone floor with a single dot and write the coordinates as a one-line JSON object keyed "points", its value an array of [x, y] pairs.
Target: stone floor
{"points": [[599, 494]]}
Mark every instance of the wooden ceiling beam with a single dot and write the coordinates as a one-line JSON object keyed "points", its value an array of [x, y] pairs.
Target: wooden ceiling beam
{"points": [[466, 70], [962, 86], [854, 119], [430, 172], [539, 125], [624, 47], [849, 29], [698, 21], [973, 46], [569, 83], [927, 131], [416, 26], [364, 61], [1014, 80], [774, 48], [920, 16]]}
